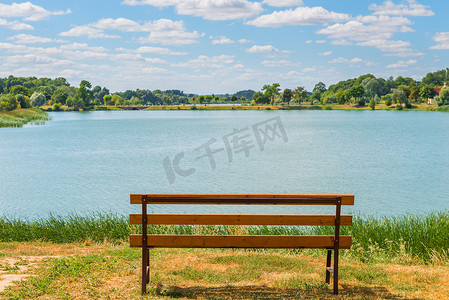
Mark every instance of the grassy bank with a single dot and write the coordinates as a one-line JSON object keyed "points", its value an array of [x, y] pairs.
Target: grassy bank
{"points": [[107, 271], [19, 117], [416, 238]]}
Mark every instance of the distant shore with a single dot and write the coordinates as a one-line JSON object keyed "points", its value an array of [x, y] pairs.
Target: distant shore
{"points": [[421, 107], [19, 117]]}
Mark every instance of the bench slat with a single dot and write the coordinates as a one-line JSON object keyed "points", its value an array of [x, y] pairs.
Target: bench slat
{"points": [[240, 241], [240, 219], [241, 199]]}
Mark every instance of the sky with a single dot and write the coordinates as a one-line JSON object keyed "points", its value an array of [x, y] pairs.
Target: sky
{"points": [[221, 46]]}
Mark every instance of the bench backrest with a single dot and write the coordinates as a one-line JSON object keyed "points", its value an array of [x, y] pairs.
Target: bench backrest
{"points": [[336, 220]]}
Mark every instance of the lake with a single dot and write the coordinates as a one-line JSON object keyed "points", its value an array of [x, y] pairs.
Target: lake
{"points": [[394, 162]]}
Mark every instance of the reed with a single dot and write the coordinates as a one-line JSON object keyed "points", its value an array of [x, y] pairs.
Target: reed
{"points": [[413, 237], [19, 117]]}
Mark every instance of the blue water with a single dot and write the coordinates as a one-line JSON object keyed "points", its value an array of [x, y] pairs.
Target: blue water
{"points": [[394, 162]]}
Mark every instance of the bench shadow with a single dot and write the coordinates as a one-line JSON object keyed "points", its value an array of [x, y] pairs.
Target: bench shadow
{"points": [[263, 292]]}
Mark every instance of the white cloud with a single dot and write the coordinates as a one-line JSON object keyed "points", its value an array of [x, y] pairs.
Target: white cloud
{"points": [[354, 61], [32, 39], [327, 53], [82, 46], [412, 9], [222, 40], [388, 45], [402, 64], [341, 42], [264, 49], [244, 41], [28, 11], [208, 9], [121, 24], [309, 42], [356, 31], [279, 63], [175, 37], [157, 3], [86, 30], [15, 25], [32, 59], [219, 9], [154, 50], [299, 16], [283, 3], [442, 38], [208, 62], [311, 69], [320, 41], [162, 31], [127, 25]]}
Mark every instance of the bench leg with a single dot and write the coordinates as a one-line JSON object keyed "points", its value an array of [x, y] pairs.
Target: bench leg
{"points": [[336, 272], [328, 264], [145, 268]]}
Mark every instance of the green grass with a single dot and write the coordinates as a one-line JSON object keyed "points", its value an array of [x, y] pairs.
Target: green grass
{"points": [[444, 108], [400, 239], [19, 117]]}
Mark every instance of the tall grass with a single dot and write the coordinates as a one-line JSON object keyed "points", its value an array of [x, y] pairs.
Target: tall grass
{"points": [[421, 237], [19, 117]]}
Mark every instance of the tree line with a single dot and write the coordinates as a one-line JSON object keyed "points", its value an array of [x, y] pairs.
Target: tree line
{"points": [[402, 91], [26, 92]]}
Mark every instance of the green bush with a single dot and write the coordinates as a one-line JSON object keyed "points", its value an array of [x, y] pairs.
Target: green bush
{"points": [[372, 104], [57, 107], [8, 103]]}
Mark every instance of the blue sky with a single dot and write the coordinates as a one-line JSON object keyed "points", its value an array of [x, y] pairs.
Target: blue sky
{"points": [[221, 46]]}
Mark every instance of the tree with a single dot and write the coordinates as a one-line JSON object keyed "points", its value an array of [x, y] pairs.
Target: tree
{"points": [[444, 96], [299, 94], [319, 87], [356, 91], [117, 100], [107, 100], [135, 101], [201, 99], [372, 104], [84, 95], [208, 98], [287, 96], [59, 96], [374, 86], [260, 98], [318, 90], [18, 89], [234, 98], [24, 101], [271, 90], [399, 96], [436, 78], [341, 96], [8, 103], [414, 94], [37, 99], [427, 92]]}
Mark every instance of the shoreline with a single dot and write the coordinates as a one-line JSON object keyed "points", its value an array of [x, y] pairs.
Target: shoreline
{"points": [[420, 107]]}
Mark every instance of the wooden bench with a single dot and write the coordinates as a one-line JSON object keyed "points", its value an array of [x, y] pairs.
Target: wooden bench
{"points": [[333, 243]]}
